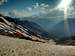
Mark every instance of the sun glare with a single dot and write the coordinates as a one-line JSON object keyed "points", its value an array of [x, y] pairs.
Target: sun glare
{"points": [[63, 5]]}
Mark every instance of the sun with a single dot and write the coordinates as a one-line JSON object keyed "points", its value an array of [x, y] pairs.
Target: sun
{"points": [[64, 4]]}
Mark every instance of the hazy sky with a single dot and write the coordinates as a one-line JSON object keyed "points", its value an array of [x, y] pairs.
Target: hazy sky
{"points": [[39, 8], [22, 4]]}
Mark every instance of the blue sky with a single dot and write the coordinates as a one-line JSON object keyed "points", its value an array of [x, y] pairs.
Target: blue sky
{"points": [[47, 8], [21, 4]]}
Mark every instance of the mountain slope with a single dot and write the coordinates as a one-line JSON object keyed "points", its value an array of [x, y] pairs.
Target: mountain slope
{"points": [[21, 47], [34, 28], [9, 27]]}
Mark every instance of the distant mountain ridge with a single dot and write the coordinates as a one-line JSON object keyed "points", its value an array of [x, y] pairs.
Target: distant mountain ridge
{"points": [[60, 32], [33, 28]]}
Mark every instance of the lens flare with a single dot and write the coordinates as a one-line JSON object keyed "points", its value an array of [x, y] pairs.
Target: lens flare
{"points": [[64, 4]]}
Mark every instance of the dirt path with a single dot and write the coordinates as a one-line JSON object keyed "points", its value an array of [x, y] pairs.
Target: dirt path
{"points": [[21, 47]]}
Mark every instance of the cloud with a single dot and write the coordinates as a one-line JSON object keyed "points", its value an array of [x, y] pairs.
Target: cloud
{"points": [[2, 1], [38, 9], [17, 13], [42, 11], [35, 10]]}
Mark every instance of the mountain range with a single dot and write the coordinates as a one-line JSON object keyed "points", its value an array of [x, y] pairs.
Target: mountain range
{"points": [[23, 29], [59, 31]]}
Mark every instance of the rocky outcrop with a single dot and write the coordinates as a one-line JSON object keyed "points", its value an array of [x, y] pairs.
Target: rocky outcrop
{"points": [[67, 41], [70, 41]]}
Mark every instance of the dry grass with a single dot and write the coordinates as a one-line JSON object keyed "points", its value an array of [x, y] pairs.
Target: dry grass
{"points": [[21, 47]]}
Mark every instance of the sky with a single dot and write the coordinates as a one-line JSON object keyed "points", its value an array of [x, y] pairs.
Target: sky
{"points": [[32, 8], [47, 13]]}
